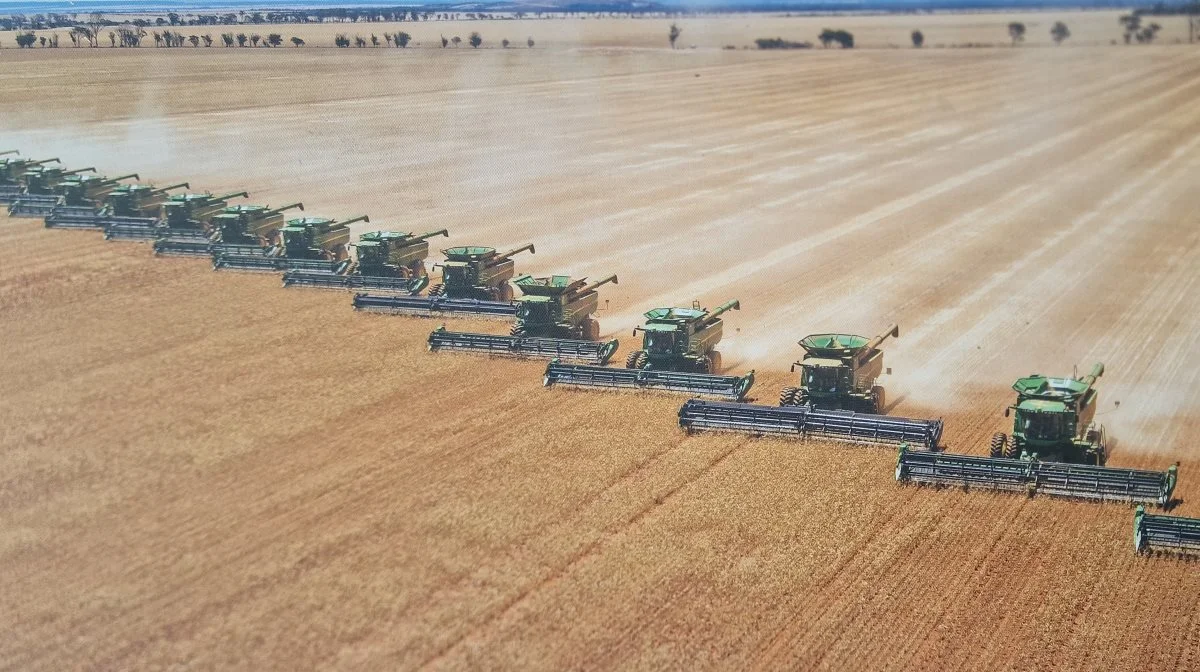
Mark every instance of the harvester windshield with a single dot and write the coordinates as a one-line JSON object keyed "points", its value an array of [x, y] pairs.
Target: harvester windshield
{"points": [[661, 342], [1043, 424], [827, 378], [534, 309]]}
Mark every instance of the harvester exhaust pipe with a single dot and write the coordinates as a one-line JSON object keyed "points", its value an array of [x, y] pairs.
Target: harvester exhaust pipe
{"points": [[289, 206], [360, 218], [598, 283], [183, 185], [226, 197], [513, 253], [79, 170]]}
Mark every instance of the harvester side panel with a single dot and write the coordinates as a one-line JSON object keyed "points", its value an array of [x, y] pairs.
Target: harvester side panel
{"points": [[804, 422], [726, 387], [409, 254], [524, 346], [706, 339], [490, 276], [429, 306], [1165, 533]]}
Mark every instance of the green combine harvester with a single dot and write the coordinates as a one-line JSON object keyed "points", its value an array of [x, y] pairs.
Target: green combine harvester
{"points": [[1055, 449], [306, 242], [388, 261], [11, 172], [236, 229], [184, 218], [839, 371], [554, 321], [677, 355], [40, 193], [125, 205], [1158, 533], [80, 192], [475, 281]]}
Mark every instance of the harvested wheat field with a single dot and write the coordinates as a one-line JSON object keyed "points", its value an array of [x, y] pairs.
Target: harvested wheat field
{"points": [[205, 470]]}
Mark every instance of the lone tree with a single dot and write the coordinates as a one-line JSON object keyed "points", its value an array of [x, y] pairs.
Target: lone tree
{"points": [[918, 39], [1148, 33], [95, 22], [195, 40], [475, 40], [255, 39], [1060, 32], [359, 41], [241, 38], [374, 40], [1016, 31], [444, 41], [227, 38], [1132, 24], [207, 40], [456, 40], [274, 39], [529, 43], [402, 39], [297, 42], [504, 43], [842, 37], [25, 40], [674, 34]]}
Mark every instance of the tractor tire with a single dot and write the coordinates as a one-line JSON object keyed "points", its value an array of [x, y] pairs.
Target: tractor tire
{"points": [[801, 398], [636, 360], [999, 442], [591, 330], [714, 362], [416, 269], [787, 396], [505, 292], [437, 290], [1012, 451], [878, 400], [517, 330]]}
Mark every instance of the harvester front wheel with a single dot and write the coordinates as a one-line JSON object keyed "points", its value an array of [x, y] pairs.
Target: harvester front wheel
{"points": [[787, 396], [878, 399], [416, 269], [1012, 451], [437, 290], [714, 362], [517, 330], [591, 330], [636, 360], [999, 441]]}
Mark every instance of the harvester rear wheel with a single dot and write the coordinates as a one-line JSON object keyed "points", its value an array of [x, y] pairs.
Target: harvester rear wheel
{"points": [[787, 396], [506, 292], [517, 330], [999, 440], [591, 330], [636, 360], [416, 269], [714, 362], [878, 399], [437, 290]]}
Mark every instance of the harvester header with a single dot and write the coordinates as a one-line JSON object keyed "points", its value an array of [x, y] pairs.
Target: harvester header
{"points": [[1158, 533]]}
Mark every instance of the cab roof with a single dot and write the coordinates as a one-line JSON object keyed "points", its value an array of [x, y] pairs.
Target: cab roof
{"points": [[674, 314]]}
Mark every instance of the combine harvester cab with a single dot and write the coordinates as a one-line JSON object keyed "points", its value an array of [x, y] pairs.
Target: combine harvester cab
{"points": [[677, 355], [41, 193], [12, 170], [807, 422], [316, 243], [388, 261], [840, 371], [1158, 533], [130, 205], [554, 321], [1032, 476], [1055, 449], [475, 282]]}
